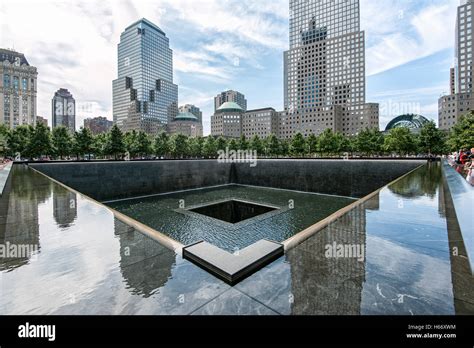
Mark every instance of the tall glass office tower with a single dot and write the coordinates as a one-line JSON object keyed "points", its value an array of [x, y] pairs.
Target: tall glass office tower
{"points": [[325, 70], [144, 95]]}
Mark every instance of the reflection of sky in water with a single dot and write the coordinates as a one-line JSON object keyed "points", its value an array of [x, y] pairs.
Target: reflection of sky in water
{"points": [[71, 263], [397, 272], [408, 260]]}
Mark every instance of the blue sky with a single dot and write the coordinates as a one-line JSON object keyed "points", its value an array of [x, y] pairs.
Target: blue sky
{"points": [[227, 44]]}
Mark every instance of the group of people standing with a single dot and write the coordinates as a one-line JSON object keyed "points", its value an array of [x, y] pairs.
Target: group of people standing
{"points": [[463, 161]]}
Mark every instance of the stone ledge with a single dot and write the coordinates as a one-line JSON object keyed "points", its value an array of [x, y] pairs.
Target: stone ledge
{"points": [[233, 268], [4, 174], [462, 194]]}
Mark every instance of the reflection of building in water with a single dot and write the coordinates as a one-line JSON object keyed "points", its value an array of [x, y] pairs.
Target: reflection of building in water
{"points": [[373, 203], [441, 200], [19, 223], [331, 286], [422, 182], [145, 264], [65, 206]]}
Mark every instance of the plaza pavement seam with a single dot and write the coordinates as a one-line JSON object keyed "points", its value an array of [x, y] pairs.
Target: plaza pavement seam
{"points": [[243, 293], [256, 300], [466, 301], [209, 301]]}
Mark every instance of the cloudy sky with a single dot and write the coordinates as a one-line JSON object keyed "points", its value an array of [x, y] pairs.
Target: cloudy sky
{"points": [[226, 44]]}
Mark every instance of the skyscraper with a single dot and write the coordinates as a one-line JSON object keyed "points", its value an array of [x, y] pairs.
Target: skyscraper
{"points": [[230, 96], [144, 95], [17, 89], [324, 70], [63, 108], [461, 98], [464, 42]]}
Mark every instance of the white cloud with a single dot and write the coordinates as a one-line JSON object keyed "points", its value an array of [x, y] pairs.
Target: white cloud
{"points": [[73, 43], [405, 36], [247, 20]]}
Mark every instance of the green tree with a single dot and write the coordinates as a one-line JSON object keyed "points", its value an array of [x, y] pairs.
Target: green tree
{"points": [[431, 140], [40, 142], [210, 147], [285, 148], [83, 142], [462, 134], [369, 142], [62, 141], [18, 140], [130, 140], [273, 145], [179, 145], [312, 144], [298, 145], [162, 145], [196, 147], [328, 142], [233, 144], [342, 143], [143, 144], [100, 145], [243, 143], [115, 146], [4, 134], [256, 144], [401, 141], [221, 143]]}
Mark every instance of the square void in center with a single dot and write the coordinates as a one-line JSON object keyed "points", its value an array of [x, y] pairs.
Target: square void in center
{"points": [[233, 211]]}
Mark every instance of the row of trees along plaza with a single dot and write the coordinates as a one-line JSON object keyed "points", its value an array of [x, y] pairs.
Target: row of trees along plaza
{"points": [[40, 143]]}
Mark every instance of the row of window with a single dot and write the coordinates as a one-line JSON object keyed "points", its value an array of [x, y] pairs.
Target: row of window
{"points": [[15, 82]]}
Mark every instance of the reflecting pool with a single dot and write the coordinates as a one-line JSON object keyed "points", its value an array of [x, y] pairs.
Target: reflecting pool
{"points": [[187, 216]]}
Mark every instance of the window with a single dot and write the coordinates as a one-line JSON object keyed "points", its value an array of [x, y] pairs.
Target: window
{"points": [[6, 81], [24, 84], [15, 83]]}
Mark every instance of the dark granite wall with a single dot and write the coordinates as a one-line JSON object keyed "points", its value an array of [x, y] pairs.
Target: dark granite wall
{"points": [[105, 181], [116, 180], [345, 178]]}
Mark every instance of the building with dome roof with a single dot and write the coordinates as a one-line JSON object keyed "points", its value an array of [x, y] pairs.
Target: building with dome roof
{"points": [[230, 96], [187, 124], [227, 120], [193, 109], [411, 121]]}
